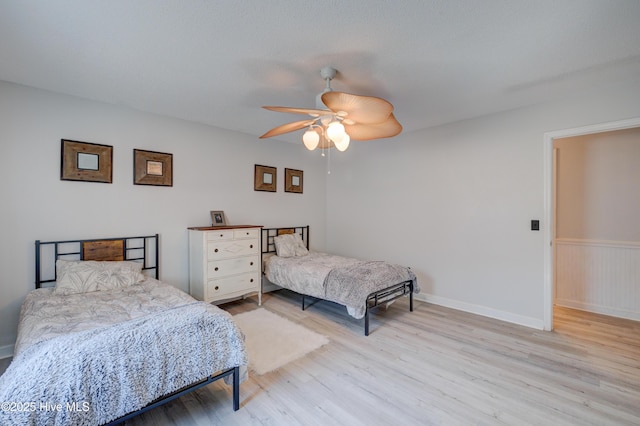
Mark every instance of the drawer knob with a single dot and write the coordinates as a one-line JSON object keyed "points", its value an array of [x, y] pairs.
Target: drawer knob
{"points": [[251, 246], [216, 268], [251, 280], [216, 250], [221, 235], [217, 288], [250, 263]]}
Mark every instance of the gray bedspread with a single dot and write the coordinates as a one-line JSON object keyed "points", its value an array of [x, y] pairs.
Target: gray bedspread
{"points": [[96, 375], [343, 280], [45, 315]]}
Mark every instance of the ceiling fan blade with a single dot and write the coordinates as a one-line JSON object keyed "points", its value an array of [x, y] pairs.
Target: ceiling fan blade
{"points": [[361, 109], [365, 132], [311, 112], [286, 128]]}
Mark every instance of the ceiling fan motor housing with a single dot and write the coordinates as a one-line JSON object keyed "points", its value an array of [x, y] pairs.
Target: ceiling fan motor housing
{"points": [[328, 73]]}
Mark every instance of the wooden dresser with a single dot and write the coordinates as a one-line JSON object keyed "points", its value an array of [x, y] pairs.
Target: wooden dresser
{"points": [[224, 262]]}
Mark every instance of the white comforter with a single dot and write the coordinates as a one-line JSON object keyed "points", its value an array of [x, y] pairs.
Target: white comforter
{"points": [[44, 315], [104, 354], [304, 274], [339, 279]]}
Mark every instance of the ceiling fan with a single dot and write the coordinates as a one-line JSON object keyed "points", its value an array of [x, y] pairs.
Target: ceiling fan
{"points": [[339, 118]]}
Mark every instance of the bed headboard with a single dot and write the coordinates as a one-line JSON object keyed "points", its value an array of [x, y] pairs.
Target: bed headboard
{"points": [[268, 246], [143, 249]]}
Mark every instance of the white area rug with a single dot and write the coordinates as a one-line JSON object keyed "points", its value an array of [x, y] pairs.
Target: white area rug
{"points": [[273, 341]]}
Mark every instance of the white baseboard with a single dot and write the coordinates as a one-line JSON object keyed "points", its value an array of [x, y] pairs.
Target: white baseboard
{"points": [[597, 309], [538, 324], [6, 351]]}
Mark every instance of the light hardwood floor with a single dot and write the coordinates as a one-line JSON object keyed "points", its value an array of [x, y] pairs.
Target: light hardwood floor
{"points": [[433, 366]]}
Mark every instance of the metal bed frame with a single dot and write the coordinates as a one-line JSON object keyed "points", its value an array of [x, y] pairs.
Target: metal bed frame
{"points": [[144, 249], [136, 249], [374, 300]]}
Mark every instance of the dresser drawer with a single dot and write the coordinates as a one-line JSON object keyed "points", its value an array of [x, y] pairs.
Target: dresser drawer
{"points": [[233, 286], [237, 265], [225, 249], [218, 235], [246, 233]]}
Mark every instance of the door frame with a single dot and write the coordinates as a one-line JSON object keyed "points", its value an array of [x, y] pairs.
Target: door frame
{"points": [[549, 202]]}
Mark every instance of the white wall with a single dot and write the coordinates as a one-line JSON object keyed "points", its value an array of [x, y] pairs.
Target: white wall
{"points": [[597, 186], [213, 170], [455, 203]]}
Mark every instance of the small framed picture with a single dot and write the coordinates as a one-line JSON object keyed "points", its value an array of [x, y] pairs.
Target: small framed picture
{"points": [[218, 218], [88, 162], [152, 168], [293, 180], [264, 178]]}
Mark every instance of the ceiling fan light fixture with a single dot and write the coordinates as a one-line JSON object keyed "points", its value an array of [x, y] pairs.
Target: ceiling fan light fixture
{"points": [[311, 138], [343, 143], [335, 131]]}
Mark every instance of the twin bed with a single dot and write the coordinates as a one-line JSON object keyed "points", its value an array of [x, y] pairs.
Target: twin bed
{"points": [[358, 285], [109, 341]]}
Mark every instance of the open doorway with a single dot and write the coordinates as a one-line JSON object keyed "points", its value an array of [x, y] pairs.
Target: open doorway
{"points": [[549, 227]]}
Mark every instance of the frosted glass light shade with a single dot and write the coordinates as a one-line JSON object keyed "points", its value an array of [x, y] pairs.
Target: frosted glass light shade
{"points": [[335, 131], [343, 143], [311, 138]]}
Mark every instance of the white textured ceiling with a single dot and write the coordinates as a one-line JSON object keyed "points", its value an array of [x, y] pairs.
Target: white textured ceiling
{"points": [[218, 61]]}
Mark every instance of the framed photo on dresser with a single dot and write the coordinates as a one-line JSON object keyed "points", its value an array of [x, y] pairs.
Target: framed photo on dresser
{"points": [[218, 218]]}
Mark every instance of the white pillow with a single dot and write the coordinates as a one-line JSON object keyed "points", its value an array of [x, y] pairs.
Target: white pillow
{"points": [[301, 249], [290, 245], [77, 276], [285, 245]]}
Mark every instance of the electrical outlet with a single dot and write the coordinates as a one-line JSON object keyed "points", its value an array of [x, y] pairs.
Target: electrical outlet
{"points": [[535, 225]]}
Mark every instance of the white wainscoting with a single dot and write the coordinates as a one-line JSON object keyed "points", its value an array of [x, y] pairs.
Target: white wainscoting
{"points": [[598, 276]]}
